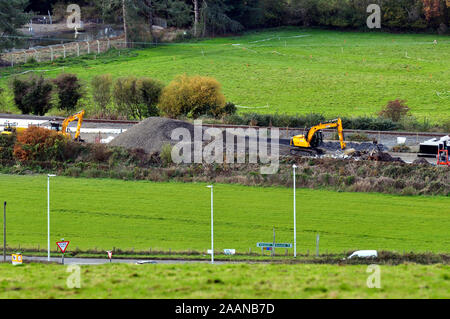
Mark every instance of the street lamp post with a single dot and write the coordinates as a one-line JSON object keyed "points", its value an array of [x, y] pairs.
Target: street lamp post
{"points": [[48, 214], [295, 222], [212, 223]]}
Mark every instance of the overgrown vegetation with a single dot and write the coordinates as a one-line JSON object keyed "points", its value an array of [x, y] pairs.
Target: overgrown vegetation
{"points": [[193, 96]]}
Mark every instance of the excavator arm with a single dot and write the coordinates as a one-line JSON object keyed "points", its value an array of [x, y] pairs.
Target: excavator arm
{"points": [[309, 140], [78, 116]]}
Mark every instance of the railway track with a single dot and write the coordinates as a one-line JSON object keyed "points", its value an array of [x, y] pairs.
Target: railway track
{"points": [[11, 117]]}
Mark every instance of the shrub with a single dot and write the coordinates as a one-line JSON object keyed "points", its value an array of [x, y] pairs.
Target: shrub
{"points": [[7, 146], [137, 98], [149, 92], [39, 144], [125, 94], [69, 91], [166, 154], [101, 91], [2, 99], [192, 96], [32, 95], [394, 110]]}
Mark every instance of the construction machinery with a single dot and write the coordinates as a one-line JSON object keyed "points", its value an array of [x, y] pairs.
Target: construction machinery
{"points": [[63, 128], [308, 143], [11, 128]]}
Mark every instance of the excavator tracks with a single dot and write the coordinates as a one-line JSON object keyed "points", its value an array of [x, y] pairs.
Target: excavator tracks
{"points": [[311, 152]]}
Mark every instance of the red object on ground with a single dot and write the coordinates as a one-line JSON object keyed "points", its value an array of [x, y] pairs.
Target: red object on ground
{"points": [[442, 158]]}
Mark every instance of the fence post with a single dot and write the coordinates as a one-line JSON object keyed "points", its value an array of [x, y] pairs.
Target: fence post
{"points": [[51, 54], [36, 55], [89, 47], [64, 47], [317, 245], [78, 49], [98, 46], [109, 45], [12, 60]]}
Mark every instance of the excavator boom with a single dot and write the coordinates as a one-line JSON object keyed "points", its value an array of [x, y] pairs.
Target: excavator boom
{"points": [[78, 116], [313, 138]]}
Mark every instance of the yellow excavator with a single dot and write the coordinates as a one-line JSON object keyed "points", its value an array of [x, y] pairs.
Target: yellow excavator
{"points": [[308, 143], [63, 128]]}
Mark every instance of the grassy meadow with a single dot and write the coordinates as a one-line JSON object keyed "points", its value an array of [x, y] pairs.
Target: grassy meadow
{"points": [[293, 70], [104, 213], [223, 281]]}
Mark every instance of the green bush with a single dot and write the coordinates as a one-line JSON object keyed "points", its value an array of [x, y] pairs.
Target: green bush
{"points": [[149, 92], [69, 90], [32, 94], [137, 98], [101, 91], [166, 154]]}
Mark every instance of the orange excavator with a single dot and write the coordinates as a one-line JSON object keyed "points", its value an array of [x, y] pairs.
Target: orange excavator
{"points": [[63, 128], [308, 143]]}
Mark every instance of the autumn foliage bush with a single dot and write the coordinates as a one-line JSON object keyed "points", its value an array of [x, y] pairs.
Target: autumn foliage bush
{"points": [[193, 96], [39, 144], [395, 110]]}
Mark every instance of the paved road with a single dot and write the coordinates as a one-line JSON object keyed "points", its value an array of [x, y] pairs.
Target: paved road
{"points": [[99, 261]]}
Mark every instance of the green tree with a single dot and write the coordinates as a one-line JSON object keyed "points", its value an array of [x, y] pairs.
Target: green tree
{"points": [[32, 95], [101, 91], [69, 90], [12, 17]]}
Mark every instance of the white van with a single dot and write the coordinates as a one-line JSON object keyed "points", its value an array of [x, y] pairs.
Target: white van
{"points": [[364, 254]]}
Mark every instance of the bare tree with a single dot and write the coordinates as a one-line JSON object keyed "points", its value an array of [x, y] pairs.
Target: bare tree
{"points": [[196, 17]]}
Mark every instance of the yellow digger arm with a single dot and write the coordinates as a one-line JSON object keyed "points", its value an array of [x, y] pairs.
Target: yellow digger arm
{"points": [[78, 116], [335, 123]]}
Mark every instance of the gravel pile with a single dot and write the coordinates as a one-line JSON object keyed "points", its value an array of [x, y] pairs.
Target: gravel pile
{"points": [[151, 134]]}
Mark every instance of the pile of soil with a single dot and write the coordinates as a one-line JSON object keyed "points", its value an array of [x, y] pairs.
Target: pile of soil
{"points": [[151, 134]]}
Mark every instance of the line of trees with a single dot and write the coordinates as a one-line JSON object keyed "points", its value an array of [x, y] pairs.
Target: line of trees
{"points": [[123, 98], [215, 17]]}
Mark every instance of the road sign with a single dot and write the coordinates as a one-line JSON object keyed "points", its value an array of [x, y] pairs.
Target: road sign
{"points": [[16, 259], [277, 245], [229, 251], [62, 245]]}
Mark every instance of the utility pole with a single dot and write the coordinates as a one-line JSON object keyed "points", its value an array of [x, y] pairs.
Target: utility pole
{"points": [[124, 13], [212, 223], [295, 221], [4, 232]]}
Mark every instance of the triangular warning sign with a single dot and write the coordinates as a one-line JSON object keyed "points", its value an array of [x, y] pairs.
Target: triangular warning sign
{"points": [[62, 245]]}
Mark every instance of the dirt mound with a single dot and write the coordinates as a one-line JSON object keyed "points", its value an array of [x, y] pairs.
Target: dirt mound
{"points": [[151, 134], [421, 160]]}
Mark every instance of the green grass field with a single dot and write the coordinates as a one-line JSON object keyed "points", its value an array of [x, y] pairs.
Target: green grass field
{"points": [[224, 281], [300, 71], [105, 213]]}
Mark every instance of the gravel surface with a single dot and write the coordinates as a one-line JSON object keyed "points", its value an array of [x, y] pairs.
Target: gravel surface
{"points": [[151, 134]]}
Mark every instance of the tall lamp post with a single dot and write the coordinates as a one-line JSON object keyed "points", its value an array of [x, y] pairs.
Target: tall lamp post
{"points": [[295, 222], [212, 223], [48, 214]]}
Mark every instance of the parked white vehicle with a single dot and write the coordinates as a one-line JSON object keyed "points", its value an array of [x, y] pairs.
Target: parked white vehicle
{"points": [[364, 254]]}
